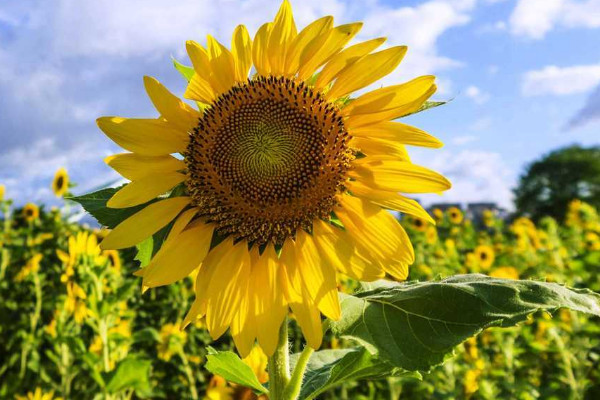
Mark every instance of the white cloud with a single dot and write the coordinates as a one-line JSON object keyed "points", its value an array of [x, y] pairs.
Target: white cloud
{"points": [[462, 140], [560, 80], [477, 95], [481, 124], [476, 176], [535, 18]]}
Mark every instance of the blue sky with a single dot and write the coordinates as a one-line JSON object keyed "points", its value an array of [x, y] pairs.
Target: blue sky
{"points": [[524, 77]]}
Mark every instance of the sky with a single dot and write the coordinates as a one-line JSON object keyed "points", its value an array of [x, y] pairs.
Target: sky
{"points": [[523, 77]]}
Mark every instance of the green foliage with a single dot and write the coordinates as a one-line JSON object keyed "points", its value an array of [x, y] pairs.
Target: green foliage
{"points": [[330, 368], [228, 365], [417, 324], [131, 373], [551, 183]]}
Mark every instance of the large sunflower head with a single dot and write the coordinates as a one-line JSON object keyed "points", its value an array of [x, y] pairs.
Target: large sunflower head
{"points": [[280, 177], [60, 183]]}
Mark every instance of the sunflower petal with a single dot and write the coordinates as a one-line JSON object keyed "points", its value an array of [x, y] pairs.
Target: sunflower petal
{"points": [[318, 52], [243, 324], [398, 176], [144, 189], [241, 48], [181, 223], [199, 89], [376, 229], [318, 276], [282, 35], [390, 200], [342, 252], [344, 59], [144, 223], [224, 291], [365, 71], [260, 55], [178, 257], [270, 304], [134, 166], [398, 132], [308, 317], [199, 58], [381, 148], [307, 42], [150, 137], [170, 107], [221, 65]]}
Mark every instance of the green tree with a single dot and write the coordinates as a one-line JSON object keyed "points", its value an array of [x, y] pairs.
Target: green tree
{"points": [[549, 184]]}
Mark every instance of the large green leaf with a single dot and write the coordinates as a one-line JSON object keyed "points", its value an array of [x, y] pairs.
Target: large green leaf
{"points": [[228, 365], [415, 325], [329, 368], [95, 204]]}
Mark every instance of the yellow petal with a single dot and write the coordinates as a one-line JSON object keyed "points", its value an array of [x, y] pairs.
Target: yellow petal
{"points": [[308, 317], [199, 89], [398, 132], [270, 305], [307, 42], [178, 257], [145, 189], [135, 166], [389, 103], [398, 176], [170, 107], [243, 324], [222, 66], [381, 148], [199, 58], [318, 276], [181, 223], [366, 71], [318, 52], [344, 254], [224, 291], [144, 223], [344, 59], [241, 49], [390, 200], [281, 37], [260, 54], [150, 137], [376, 229]]}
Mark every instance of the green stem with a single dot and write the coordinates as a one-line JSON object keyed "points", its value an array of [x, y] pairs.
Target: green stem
{"points": [[568, 366], [292, 389], [279, 365]]}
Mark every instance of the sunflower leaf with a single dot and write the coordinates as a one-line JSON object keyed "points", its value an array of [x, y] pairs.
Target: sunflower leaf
{"points": [[95, 204], [416, 325], [228, 365], [428, 105], [329, 368], [187, 72]]}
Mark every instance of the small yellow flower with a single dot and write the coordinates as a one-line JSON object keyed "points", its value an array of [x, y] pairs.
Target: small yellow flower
{"points": [[60, 184], [96, 345], [418, 224], [38, 395], [488, 218], [505, 273], [431, 235], [438, 214], [50, 329], [455, 215], [31, 212], [218, 389], [592, 241], [32, 266], [113, 259], [471, 382], [75, 302], [485, 256], [171, 336], [2, 190]]}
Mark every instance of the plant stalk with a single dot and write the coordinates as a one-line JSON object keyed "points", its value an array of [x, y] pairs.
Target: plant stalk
{"points": [[292, 389], [279, 365]]}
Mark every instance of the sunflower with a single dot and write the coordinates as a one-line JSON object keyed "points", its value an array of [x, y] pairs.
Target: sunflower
{"points": [[2, 190], [455, 215], [485, 256], [418, 224], [113, 259], [31, 212], [281, 179], [438, 214], [60, 184], [38, 395], [505, 273]]}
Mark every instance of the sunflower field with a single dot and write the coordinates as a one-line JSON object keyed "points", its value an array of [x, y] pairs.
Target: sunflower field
{"points": [[75, 324]]}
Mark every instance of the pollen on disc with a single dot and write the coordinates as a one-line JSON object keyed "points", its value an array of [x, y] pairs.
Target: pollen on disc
{"points": [[266, 159]]}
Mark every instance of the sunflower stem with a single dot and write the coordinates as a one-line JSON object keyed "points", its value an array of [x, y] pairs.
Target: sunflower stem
{"points": [[279, 365], [292, 389]]}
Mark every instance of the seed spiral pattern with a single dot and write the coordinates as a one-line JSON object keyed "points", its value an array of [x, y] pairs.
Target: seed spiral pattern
{"points": [[266, 159]]}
